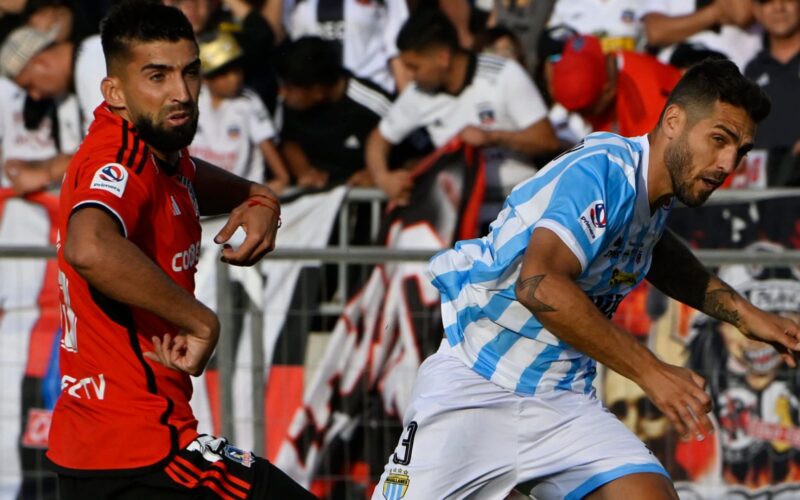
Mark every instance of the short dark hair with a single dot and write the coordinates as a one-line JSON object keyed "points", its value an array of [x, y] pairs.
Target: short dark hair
{"points": [[141, 21], [308, 61], [713, 80], [425, 29]]}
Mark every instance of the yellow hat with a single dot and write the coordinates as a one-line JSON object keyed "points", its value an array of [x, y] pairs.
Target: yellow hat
{"points": [[217, 52]]}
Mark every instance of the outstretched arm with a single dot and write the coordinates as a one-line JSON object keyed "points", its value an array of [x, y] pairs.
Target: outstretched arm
{"points": [[547, 287], [677, 272]]}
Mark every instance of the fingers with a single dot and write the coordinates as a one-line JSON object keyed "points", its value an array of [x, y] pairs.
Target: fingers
{"points": [[228, 229]]}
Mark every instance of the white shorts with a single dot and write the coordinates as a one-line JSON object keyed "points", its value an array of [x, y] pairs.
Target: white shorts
{"points": [[466, 437]]}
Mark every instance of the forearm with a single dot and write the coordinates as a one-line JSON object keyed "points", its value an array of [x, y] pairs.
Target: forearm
{"points": [[275, 161], [662, 30], [296, 160], [537, 139], [679, 274], [219, 191], [566, 312], [377, 155], [118, 269]]}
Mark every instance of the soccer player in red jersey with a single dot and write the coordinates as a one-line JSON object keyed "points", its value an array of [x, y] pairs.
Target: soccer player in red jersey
{"points": [[129, 242]]}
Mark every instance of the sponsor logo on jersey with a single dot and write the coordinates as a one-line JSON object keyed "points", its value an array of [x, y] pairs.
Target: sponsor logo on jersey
{"points": [[245, 458], [593, 220], [84, 388], [112, 178], [186, 259], [622, 278], [396, 484], [37, 428]]}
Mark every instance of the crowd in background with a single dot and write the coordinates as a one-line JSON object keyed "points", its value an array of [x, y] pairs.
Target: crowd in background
{"points": [[313, 93]]}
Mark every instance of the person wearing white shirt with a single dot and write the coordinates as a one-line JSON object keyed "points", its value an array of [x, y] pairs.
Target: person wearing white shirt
{"points": [[487, 101]]}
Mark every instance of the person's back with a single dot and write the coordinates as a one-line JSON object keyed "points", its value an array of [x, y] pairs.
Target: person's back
{"points": [[594, 197]]}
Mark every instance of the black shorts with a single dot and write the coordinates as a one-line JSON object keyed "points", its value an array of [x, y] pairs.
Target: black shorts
{"points": [[208, 468]]}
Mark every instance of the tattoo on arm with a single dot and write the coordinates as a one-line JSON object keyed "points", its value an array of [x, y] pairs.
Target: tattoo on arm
{"points": [[714, 305], [526, 290]]}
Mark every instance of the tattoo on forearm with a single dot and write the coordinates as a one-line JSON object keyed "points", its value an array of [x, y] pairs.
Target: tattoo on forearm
{"points": [[714, 305], [526, 289]]}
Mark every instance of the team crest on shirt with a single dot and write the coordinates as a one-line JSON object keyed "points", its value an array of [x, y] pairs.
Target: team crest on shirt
{"points": [[396, 484], [245, 458], [234, 132], [593, 220], [112, 177], [485, 113]]}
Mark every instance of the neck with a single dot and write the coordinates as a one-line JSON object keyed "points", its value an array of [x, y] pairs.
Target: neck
{"points": [[337, 90], [659, 180], [783, 49], [216, 100], [457, 76]]}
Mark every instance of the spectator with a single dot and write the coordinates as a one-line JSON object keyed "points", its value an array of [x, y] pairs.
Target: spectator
{"points": [[487, 101], [777, 70], [690, 30], [623, 92], [365, 33], [616, 23], [502, 42], [328, 114], [40, 130], [527, 20], [234, 131]]}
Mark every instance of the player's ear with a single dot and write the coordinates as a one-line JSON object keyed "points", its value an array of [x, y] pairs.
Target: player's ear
{"points": [[674, 121], [111, 87]]}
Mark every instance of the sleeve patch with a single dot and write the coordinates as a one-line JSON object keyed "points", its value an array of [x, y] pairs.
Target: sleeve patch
{"points": [[593, 220], [112, 177]]}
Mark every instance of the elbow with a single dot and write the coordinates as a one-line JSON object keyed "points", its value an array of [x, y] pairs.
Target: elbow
{"points": [[82, 256], [654, 33]]}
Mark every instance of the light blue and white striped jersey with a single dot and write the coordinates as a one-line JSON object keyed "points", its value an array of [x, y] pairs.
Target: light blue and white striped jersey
{"points": [[594, 197]]}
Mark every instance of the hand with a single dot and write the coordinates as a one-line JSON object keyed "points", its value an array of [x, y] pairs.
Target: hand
{"points": [[782, 333], [24, 178], [680, 394], [796, 148], [362, 178], [397, 185], [185, 353], [313, 178], [259, 217], [475, 136]]}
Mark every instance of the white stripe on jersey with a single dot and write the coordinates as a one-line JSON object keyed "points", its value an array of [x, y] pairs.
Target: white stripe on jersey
{"points": [[369, 98], [595, 199]]}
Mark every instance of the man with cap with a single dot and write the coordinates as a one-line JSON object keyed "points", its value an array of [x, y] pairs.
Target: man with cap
{"points": [[622, 92], [234, 130], [39, 119]]}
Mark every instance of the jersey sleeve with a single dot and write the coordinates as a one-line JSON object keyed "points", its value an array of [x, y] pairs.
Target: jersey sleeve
{"points": [[590, 202], [403, 117], [260, 124], [118, 191], [524, 103]]}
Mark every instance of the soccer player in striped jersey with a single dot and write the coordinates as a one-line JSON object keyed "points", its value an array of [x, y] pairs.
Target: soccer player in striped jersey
{"points": [[129, 242], [508, 398]]}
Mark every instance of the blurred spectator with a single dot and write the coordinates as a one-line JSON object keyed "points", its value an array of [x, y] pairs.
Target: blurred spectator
{"points": [[691, 30], [39, 131], [622, 92], [527, 20], [502, 42], [616, 23], [10, 16], [486, 100], [364, 31], [253, 32], [777, 70], [328, 114], [234, 130]]}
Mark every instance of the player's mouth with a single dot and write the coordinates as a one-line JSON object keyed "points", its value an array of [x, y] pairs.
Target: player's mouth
{"points": [[711, 182], [179, 118]]}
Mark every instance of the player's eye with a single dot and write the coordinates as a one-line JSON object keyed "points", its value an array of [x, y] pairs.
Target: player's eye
{"points": [[719, 139], [156, 77]]}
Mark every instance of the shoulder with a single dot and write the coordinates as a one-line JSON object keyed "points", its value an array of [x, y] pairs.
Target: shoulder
{"points": [[602, 158], [490, 65], [114, 142], [368, 95]]}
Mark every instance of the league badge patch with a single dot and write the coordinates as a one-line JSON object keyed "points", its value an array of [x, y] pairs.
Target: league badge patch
{"points": [[112, 178]]}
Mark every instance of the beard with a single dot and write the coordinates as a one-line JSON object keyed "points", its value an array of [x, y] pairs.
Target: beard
{"points": [[678, 159], [163, 138]]}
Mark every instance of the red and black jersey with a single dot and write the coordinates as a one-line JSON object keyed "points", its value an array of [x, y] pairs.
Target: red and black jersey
{"points": [[118, 411]]}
